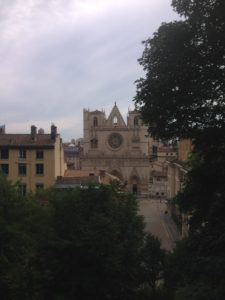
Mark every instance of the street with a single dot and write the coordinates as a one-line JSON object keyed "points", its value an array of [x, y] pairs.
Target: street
{"points": [[158, 222]]}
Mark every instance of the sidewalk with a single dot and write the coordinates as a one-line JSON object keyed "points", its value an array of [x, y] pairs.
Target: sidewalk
{"points": [[172, 228]]}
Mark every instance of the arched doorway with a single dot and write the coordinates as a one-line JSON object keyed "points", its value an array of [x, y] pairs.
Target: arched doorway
{"points": [[134, 184]]}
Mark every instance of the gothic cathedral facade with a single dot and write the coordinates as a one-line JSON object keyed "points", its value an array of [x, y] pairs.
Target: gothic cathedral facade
{"points": [[119, 148]]}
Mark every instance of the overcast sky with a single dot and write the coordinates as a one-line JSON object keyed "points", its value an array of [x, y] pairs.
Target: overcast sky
{"points": [[58, 57]]}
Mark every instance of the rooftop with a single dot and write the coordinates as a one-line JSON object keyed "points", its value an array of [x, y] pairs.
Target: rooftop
{"points": [[8, 139]]}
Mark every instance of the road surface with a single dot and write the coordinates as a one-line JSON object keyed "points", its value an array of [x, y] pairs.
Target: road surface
{"points": [[158, 223]]}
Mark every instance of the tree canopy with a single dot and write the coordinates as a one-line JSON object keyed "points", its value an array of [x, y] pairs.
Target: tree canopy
{"points": [[183, 90], [183, 96], [96, 249], [79, 244]]}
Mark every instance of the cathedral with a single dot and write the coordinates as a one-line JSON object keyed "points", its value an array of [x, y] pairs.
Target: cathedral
{"points": [[118, 147]]}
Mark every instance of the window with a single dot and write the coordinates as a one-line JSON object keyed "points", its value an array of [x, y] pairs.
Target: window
{"points": [[162, 194], [95, 121], [136, 120], [22, 189], [39, 186], [94, 143], [4, 168], [39, 154], [22, 169], [154, 150], [4, 154], [115, 120], [157, 178], [22, 154], [39, 169]]}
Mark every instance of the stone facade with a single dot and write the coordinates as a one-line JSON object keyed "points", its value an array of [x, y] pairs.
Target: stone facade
{"points": [[121, 149]]}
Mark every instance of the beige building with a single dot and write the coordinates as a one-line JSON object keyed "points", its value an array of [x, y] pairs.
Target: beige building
{"points": [[158, 180], [176, 174], [166, 153], [33, 160], [121, 149], [184, 148], [177, 170], [158, 170]]}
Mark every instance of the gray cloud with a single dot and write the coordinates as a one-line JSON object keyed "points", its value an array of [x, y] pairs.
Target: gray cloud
{"points": [[60, 56]]}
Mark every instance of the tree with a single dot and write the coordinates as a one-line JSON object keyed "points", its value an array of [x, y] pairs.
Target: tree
{"points": [[152, 262], [95, 248], [203, 197], [20, 229], [80, 244], [183, 96], [183, 91]]}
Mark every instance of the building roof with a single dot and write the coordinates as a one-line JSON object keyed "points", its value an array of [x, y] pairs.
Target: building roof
{"points": [[72, 182], [78, 173], [15, 140], [105, 178]]}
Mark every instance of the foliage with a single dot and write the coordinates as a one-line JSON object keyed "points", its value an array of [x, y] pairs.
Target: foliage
{"points": [[20, 222], [152, 267], [183, 91], [204, 190], [96, 248], [183, 96], [80, 244], [152, 260], [203, 198]]}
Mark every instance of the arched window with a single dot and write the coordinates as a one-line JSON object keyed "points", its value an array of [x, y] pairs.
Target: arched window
{"points": [[115, 120], [136, 120], [94, 143], [95, 121]]}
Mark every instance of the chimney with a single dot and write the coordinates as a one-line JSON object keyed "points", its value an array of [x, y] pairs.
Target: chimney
{"points": [[53, 132], [33, 132], [2, 129]]}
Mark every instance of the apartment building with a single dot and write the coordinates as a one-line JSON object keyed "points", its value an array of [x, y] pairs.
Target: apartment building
{"points": [[32, 160]]}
